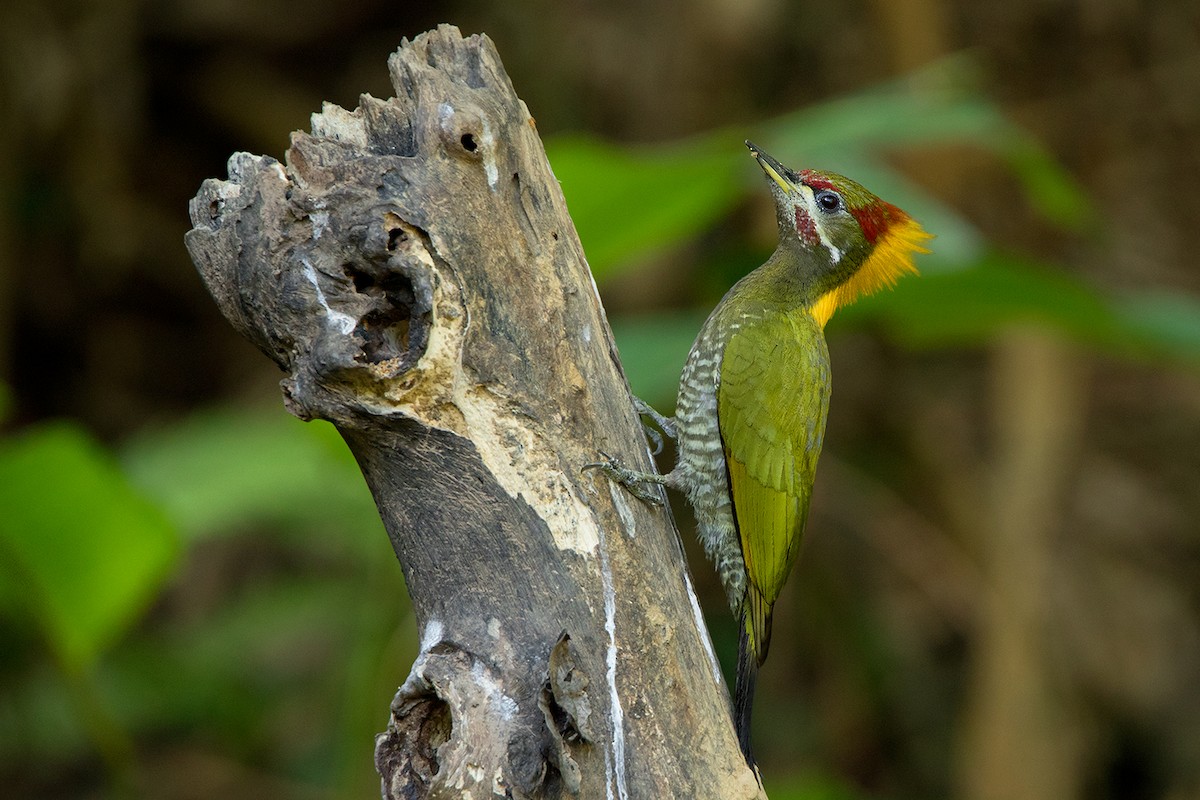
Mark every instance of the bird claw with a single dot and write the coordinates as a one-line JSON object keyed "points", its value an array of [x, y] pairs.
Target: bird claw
{"points": [[635, 483], [609, 466], [667, 424], [655, 438]]}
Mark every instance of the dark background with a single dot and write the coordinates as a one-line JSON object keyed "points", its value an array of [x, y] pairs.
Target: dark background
{"points": [[999, 597]]}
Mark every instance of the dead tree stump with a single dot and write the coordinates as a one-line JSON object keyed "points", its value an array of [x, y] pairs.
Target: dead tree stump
{"points": [[412, 268]]}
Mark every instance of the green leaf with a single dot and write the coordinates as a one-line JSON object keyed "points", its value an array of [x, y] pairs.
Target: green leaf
{"points": [[89, 549], [629, 203], [223, 469], [1052, 192], [968, 308]]}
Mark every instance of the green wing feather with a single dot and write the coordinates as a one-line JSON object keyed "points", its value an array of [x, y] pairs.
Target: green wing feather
{"points": [[771, 405]]}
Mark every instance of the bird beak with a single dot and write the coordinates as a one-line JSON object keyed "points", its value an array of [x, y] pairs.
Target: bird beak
{"points": [[775, 171]]}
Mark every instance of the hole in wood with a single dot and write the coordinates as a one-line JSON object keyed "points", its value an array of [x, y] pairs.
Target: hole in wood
{"points": [[363, 283], [386, 330], [409, 759], [436, 727], [395, 237]]}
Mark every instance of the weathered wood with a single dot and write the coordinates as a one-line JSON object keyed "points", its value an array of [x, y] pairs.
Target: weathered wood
{"points": [[413, 269]]}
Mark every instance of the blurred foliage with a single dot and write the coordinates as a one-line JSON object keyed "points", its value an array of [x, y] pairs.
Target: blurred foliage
{"points": [[631, 203], [204, 602], [810, 787], [304, 613], [84, 552], [222, 469], [628, 204]]}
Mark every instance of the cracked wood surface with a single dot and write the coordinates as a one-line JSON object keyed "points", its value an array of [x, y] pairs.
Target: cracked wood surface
{"points": [[412, 268]]}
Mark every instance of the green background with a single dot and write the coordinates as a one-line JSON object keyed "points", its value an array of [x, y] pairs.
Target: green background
{"points": [[998, 597]]}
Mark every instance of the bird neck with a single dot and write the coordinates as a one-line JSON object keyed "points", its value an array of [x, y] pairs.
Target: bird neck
{"points": [[792, 278]]}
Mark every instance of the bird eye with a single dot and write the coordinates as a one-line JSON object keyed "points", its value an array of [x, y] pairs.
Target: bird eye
{"points": [[828, 201]]}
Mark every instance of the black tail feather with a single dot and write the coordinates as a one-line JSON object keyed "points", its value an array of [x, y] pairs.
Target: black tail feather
{"points": [[743, 694]]}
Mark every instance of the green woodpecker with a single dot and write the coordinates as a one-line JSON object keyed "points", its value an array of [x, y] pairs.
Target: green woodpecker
{"points": [[750, 416]]}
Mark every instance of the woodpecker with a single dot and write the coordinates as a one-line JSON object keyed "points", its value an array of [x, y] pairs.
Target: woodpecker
{"points": [[754, 394]]}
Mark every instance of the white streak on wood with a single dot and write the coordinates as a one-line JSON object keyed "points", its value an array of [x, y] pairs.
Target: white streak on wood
{"points": [[525, 465], [623, 509], [616, 713], [503, 705], [432, 634], [595, 288], [344, 322], [320, 223], [488, 151], [702, 629]]}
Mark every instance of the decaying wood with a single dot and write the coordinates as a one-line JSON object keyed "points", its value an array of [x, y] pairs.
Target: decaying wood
{"points": [[412, 268]]}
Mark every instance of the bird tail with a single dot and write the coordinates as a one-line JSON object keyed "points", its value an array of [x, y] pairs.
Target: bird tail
{"points": [[754, 638]]}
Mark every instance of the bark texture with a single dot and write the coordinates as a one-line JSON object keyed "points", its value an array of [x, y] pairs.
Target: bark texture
{"points": [[412, 268]]}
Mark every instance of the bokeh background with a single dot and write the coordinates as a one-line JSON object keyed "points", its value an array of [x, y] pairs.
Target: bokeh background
{"points": [[1000, 592]]}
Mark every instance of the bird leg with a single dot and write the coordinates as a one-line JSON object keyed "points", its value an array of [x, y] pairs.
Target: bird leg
{"points": [[640, 484], [667, 424]]}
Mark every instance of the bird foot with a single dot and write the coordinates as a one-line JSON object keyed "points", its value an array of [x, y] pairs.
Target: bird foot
{"points": [[655, 438], [642, 485], [667, 424]]}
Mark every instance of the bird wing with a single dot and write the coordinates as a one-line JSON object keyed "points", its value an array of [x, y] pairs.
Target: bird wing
{"points": [[771, 406]]}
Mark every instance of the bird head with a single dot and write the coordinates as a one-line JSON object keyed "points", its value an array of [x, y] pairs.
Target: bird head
{"points": [[850, 241]]}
